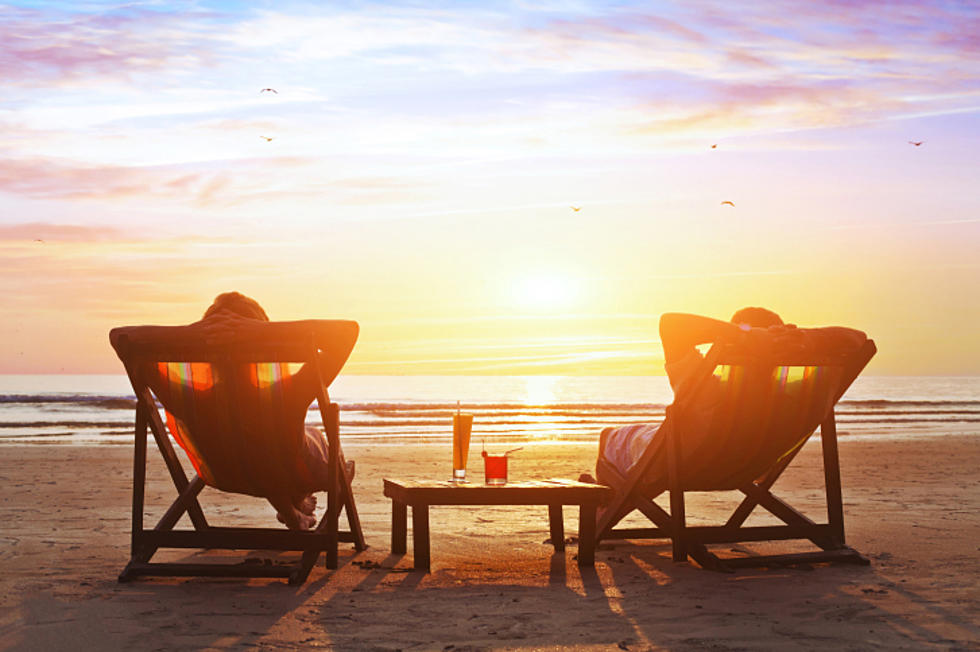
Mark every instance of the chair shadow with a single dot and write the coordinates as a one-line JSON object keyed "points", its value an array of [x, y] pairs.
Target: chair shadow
{"points": [[393, 606], [804, 606], [635, 597], [179, 612]]}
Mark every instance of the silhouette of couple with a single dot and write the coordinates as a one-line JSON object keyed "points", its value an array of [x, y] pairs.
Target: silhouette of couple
{"points": [[681, 334]]}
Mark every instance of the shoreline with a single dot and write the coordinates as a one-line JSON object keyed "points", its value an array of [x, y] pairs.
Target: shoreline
{"points": [[124, 440], [911, 506]]}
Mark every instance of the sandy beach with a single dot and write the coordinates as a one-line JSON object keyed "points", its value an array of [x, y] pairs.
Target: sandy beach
{"points": [[912, 506]]}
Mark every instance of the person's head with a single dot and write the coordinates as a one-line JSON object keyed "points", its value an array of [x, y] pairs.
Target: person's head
{"points": [[756, 318], [238, 304]]}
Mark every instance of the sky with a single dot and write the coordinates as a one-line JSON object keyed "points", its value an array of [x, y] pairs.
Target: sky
{"points": [[491, 187]]}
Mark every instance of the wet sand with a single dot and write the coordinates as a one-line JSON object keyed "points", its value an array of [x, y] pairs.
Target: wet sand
{"points": [[912, 506]]}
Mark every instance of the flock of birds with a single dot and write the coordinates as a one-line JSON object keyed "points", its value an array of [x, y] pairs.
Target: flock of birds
{"points": [[915, 143]]}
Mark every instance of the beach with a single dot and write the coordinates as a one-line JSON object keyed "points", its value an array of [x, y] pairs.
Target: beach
{"points": [[556, 218], [911, 506]]}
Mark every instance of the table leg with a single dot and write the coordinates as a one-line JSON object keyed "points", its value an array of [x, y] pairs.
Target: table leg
{"points": [[586, 534], [420, 536], [399, 527], [557, 524]]}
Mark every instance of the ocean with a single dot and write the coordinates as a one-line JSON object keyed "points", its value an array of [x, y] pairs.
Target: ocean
{"points": [[98, 409]]}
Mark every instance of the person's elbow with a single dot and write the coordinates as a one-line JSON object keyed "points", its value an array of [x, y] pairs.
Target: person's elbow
{"points": [[670, 322]]}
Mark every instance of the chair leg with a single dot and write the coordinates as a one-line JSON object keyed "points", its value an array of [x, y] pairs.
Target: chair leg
{"points": [[187, 497], [139, 485], [177, 474], [621, 504], [742, 512], [678, 534], [679, 524], [610, 515], [831, 470], [332, 518], [304, 567], [350, 508]]}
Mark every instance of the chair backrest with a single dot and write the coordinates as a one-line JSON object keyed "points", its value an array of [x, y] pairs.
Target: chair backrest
{"points": [[231, 398], [767, 404]]}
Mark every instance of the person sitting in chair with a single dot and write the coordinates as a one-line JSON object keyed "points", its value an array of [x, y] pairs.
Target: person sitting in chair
{"points": [[294, 505], [680, 334]]}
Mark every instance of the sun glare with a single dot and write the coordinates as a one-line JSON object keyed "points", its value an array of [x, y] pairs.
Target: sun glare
{"points": [[545, 292], [539, 390]]}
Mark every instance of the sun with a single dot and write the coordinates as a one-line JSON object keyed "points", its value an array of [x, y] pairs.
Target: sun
{"points": [[545, 292], [540, 390]]}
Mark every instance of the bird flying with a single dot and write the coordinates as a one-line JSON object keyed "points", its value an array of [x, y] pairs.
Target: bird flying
{"points": [[271, 90], [732, 204], [266, 138], [715, 146], [576, 208], [917, 143]]}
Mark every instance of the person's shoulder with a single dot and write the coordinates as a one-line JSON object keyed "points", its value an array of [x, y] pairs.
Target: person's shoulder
{"points": [[679, 369]]}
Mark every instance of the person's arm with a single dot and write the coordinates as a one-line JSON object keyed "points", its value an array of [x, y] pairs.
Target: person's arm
{"points": [[681, 332]]}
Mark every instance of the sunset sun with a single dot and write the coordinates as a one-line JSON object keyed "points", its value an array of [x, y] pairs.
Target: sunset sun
{"points": [[545, 291]]}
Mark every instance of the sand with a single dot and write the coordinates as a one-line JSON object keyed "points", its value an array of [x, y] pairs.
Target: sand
{"points": [[912, 506]]}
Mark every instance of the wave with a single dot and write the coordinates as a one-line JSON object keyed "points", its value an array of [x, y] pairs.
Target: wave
{"points": [[110, 402], [106, 415], [63, 424], [884, 403], [87, 400], [559, 422]]}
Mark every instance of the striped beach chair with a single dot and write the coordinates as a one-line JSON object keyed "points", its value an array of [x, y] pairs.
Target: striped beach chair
{"points": [[226, 396], [768, 405]]}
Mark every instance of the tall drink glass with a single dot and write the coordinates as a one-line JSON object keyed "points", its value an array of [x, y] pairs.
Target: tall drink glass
{"points": [[462, 426]]}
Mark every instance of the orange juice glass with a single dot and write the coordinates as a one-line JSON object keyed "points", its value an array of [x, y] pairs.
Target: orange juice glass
{"points": [[462, 427]]}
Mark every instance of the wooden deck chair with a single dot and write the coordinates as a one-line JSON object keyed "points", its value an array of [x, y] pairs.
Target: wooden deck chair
{"points": [[223, 392], [771, 405]]}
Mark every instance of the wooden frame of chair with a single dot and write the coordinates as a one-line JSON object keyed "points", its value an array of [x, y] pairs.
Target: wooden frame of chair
{"points": [[146, 542], [635, 492]]}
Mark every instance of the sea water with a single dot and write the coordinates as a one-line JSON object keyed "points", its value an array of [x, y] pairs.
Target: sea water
{"points": [[98, 409]]}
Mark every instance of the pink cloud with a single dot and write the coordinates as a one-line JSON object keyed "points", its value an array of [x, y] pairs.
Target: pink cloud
{"points": [[53, 179], [627, 26], [746, 58], [752, 106], [209, 184], [58, 232], [40, 48]]}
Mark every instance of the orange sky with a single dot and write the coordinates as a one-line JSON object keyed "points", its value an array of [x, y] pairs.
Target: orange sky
{"points": [[423, 165]]}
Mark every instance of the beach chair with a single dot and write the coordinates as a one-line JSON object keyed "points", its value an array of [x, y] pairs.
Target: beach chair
{"points": [[771, 404], [223, 390]]}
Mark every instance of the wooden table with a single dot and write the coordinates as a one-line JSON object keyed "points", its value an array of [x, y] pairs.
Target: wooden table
{"points": [[553, 493]]}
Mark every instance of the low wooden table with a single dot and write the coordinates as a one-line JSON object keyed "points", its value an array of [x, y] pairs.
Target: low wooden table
{"points": [[553, 493]]}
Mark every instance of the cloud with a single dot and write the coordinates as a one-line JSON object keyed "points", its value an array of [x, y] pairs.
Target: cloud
{"points": [[53, 179], [48, 232], [207, 184], [102, 271], [566, 362], [44, 48], [747, 59], [776, 66]]}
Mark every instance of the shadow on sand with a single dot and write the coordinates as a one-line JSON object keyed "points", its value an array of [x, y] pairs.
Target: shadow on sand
{"points": [[635, 598]]}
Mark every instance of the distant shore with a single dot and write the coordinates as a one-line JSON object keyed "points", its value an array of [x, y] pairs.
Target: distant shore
{"points": [[912, 506]]}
